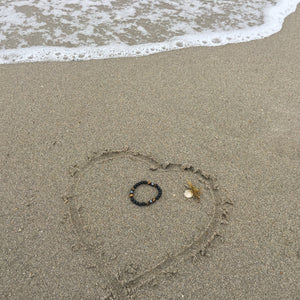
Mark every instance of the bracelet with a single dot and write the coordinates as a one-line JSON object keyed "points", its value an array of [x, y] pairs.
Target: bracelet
{"points": [[150, 201]]}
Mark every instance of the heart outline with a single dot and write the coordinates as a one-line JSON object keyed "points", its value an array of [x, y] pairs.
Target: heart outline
{"points": [[119, 289]]}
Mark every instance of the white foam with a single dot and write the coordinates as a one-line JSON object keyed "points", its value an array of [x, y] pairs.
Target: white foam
{"points": [[130, 28]]}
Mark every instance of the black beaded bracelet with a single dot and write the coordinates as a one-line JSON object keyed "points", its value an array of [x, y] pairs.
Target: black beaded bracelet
{"points": [[150, 201]]}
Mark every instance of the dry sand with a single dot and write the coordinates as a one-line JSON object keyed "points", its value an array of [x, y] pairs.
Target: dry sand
{"points": [[76, 136]]}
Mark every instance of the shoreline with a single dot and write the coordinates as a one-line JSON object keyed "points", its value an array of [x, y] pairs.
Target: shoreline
{"points": [[229, 112], [205, 39]]}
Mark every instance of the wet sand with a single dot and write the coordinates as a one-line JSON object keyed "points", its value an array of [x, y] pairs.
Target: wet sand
{"points": [[75, 137]]}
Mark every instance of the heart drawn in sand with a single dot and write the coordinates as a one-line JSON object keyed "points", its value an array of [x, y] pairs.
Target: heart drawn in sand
{"points": [[130, 245]]}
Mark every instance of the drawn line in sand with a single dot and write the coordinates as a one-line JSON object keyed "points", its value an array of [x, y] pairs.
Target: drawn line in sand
{"points": [[98, 167]]}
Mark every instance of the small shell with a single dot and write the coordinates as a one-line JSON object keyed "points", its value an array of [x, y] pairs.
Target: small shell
{"points": [[188, 194]]}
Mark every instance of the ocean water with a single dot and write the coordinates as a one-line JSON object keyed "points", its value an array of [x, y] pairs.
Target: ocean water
{"points": [[55, 30]]}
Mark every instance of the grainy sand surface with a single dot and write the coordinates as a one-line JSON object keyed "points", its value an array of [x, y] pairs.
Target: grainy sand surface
{"points": [[75, 137]]}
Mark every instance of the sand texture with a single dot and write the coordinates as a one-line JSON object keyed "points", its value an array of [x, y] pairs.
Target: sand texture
{"points": [[75, 137]]}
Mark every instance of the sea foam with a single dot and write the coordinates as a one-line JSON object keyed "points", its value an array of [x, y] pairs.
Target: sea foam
{"points": [[88, 29]]}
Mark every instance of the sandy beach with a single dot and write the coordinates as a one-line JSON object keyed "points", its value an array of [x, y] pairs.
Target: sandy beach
{"points": [[76, 136]]}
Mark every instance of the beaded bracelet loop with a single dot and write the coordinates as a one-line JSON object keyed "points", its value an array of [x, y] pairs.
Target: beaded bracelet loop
{"points": [[150, 201]]}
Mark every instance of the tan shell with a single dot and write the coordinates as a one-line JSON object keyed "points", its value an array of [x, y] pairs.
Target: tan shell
{"points": [[188, 194]]}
